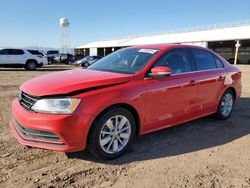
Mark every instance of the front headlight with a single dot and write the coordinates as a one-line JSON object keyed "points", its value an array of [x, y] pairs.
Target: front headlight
{"points": [[56, 105]]}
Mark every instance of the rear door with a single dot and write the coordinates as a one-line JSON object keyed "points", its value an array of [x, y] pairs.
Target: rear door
{"points": [[210, 73], [17, 56], [171, 100]]}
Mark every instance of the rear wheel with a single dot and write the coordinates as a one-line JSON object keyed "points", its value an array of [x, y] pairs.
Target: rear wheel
{"points": [[226, 105], [31, 65], [112, 133]]}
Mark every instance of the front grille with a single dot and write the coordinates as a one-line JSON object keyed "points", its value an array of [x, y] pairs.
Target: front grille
{"points": [[36, 134], [27, 101]]}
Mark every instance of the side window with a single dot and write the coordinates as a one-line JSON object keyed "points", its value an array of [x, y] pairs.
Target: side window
{"points": [[204, 60], [17, 52], [4, 52], [178, 60], [218, 62]]}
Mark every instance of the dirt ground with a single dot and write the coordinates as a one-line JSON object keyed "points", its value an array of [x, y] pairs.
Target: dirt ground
{"points": [[202, 153]]}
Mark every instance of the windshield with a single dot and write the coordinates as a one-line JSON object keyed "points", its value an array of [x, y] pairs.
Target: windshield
{"points": [[128, 60], [86, 58]]}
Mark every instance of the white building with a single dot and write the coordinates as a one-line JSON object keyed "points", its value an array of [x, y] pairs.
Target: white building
{"points": [[221, 38]]}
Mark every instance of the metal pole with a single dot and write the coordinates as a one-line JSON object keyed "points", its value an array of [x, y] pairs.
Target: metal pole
{"points": [[237, 45], [104, 51]]}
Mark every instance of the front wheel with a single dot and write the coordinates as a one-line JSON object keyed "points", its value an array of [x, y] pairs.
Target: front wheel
{"points": [[226, 105], [112, 133], [85, 64], [31, 65]]}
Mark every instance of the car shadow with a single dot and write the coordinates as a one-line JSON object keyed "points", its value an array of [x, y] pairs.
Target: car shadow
{"points": [[196, 135]]}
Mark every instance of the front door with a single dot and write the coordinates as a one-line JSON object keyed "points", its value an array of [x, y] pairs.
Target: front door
{"points": [[171, 100], [4, 53]]}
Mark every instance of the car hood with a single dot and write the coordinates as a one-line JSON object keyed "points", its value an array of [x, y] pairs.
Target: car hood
{"points": [[79, 61], [65, 82]]}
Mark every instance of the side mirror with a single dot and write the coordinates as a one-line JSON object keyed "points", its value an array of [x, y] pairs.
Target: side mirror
{"points": [[159, 72]]}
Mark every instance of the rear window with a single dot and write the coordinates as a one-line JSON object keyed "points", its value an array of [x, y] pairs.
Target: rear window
{"points": [[52, 52], [204, 60], [17, 52], [219, 64], [35, 52]]}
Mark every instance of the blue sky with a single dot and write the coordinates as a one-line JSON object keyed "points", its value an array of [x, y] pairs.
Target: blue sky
{"points": [[36, 22]]}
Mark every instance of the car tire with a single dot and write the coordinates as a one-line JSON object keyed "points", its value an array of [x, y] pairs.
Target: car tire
{"points": [[226, 105], [85, 64], [31, 65], [112, 133]]}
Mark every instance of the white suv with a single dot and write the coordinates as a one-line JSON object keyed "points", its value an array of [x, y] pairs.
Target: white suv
{"points": [[21, 58]]}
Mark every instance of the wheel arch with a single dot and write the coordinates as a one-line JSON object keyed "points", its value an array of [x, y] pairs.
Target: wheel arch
{"points": [[233, 90], [126, 106], [219, 113], [28, 60]]}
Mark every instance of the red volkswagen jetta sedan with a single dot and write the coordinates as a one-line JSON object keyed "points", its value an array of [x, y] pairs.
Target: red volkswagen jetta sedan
{"points": [[132, 91]]}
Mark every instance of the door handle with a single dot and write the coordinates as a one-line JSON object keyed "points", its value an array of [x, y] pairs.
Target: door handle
{"points": [[192, 82], [221, 78]]}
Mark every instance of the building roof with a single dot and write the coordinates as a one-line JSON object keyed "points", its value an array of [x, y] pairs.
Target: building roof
{"points": [[236, 31]]}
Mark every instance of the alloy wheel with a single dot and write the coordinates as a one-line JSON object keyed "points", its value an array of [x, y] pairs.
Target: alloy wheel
{"points": [[227, 104], [115, 134], [31, 66]]}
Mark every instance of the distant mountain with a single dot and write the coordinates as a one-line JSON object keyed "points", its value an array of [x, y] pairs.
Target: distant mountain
{"points": [[44, 49], [32, 48]]}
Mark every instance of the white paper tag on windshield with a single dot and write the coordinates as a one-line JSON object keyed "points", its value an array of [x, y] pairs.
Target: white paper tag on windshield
{"points": [[149, 51]]}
